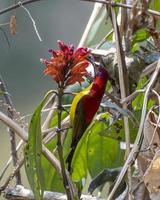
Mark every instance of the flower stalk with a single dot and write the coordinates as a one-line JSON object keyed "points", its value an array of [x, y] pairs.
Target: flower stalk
{"points": [[60, 148]]}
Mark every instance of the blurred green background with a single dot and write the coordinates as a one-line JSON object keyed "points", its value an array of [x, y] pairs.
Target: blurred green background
{"points": [[20, 64]]}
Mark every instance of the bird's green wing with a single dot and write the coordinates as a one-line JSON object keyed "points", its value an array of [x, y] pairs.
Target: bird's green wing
{"points": [[79, 123], [76, 100]]}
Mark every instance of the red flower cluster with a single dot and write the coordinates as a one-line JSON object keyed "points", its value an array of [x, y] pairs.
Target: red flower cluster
{"points": [[67, 66]]}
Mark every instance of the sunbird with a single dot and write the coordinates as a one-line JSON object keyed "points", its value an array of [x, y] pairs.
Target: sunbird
{"points": [[84, 106]]}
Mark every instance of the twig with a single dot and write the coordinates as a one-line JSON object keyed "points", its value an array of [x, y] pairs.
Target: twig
{"points": [[17, 6], [52, 97], [5, 24], [50, 115], [64, 108], [10, 177], [138, 141], [10, 159], [124, 86], [104, 39], [114, 4], [33, 21], [14, 126], [157, 124], [149, 69], [10, 113], [97, 8], [132, 96]]}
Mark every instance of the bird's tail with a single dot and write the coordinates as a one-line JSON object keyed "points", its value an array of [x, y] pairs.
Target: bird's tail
{"points": [[69, 158]]}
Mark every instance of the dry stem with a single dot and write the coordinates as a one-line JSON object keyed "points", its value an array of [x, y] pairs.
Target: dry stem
{"points": [[11, 132], [123, 82]]}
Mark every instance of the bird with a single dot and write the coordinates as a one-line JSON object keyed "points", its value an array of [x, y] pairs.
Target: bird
{"points": [[84, 107]]}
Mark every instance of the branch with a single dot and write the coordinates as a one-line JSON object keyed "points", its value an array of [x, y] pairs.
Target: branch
{"points": [[17, 6], [11, 132], [19, 192], [114, 4], [14, 126], [124, 84], [11, 176], [149, 69], [10, 160]]}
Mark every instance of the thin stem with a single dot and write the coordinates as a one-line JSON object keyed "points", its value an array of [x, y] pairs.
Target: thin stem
{"points": [[10, 160], [5, 24], [10, 113], [124, 89], [116, 4], [104, 39], [12, 7], [50, 115], [60, 148], [11, 176], [132, 96]]}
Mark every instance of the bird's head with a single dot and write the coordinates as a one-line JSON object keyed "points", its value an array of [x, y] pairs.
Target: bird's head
{"points": [[98, 69], [102, 73]]}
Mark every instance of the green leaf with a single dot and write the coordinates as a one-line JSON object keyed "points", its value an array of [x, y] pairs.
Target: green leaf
{"points": [[107, 175], [114, 128], [138, 102], [135, 48], [79, 161], [139, 36], [95, 153], [102, 152], [155, 5], [52, 180], [33, 153]]}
